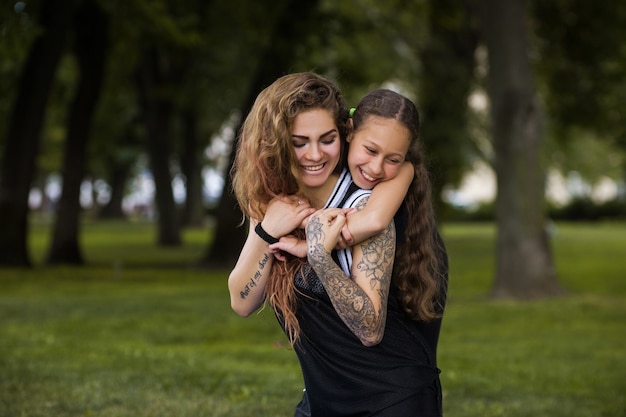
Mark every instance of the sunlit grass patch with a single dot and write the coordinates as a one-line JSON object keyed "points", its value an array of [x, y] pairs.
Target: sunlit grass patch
{"points": [[155, 336]]}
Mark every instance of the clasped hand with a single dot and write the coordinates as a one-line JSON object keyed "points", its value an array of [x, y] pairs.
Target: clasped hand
{"points": [[284, 214], [324, 229]]}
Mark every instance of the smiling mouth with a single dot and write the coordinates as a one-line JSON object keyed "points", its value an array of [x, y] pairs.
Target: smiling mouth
{"points": [[367, 176], [313, 168]]}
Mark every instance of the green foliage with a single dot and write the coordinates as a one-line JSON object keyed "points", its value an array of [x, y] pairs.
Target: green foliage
{"points": [[50, 156], [215, 49], [581, 209], [450, 128], [141, 332], [591, 158], [365, 44], [17, 31], [483, 212], [584, 209], [582, 65]]}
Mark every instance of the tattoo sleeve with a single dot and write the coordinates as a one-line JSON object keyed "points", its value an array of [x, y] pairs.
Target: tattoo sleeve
{"points": [[364, 311]]}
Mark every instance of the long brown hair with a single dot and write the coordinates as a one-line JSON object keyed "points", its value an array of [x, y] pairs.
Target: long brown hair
{"points": [[418, 268], [265, 165]]}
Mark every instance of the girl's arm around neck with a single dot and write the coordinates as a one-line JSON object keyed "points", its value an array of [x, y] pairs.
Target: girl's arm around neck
{"points": [[382, 205]]}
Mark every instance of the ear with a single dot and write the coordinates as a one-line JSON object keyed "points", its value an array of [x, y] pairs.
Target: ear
{"points": [[351, 127]]}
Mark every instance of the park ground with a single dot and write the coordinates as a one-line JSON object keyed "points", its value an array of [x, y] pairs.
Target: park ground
{"points": [[142, 331]]}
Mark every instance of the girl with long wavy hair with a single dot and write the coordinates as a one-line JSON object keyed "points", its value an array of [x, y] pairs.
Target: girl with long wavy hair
{"points": [[361, 350]]}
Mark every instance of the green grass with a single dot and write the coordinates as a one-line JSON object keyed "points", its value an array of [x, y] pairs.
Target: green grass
{"points": [[142, 332]]}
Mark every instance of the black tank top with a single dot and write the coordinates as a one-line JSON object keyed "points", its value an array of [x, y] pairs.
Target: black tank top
{"points": [[398, 377]]}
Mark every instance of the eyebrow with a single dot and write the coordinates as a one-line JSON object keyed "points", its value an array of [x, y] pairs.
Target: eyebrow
{"points": [[323, 135]]}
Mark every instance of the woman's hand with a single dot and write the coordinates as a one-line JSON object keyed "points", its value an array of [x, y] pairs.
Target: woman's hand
{"points": [[323, 230], [284, 214]]}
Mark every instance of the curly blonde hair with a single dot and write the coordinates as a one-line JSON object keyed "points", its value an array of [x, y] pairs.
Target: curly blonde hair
{"points": [[265, 165], [420, 265]]}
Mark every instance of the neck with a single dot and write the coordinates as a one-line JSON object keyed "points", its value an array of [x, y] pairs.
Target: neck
{"points": [[319, 195]]}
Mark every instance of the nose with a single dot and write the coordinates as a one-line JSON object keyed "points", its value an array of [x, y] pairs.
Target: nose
{"points": [[376, 166], [314, 154]]}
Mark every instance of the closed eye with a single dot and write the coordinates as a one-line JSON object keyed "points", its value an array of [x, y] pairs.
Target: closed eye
{"points": [[371, 150]]}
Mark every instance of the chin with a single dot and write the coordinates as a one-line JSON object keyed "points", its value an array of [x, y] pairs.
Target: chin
{"points": [[365, 186], [314, 182]]}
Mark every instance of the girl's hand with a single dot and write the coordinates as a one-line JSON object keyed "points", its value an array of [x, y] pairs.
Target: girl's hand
{"points": [[290, 244], [346, 237], [324, 230], [284, 214]]}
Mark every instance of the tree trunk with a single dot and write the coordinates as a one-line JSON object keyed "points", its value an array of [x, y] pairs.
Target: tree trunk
{"points": [[524, 264], [24, 128], [120, 171], [191, 167], [229, 236], [158, 111], [119, 166], [91, 38], [448, 60]]}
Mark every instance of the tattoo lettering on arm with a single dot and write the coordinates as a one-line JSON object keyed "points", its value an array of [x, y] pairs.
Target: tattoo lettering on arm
{"points": [[255, 278]]}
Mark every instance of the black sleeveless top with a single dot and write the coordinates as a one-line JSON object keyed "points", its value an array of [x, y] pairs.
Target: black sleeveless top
{"points": [[396, 378]]}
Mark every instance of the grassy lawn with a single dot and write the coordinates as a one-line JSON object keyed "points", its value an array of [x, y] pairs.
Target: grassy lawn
{"points": [[142, 332]]}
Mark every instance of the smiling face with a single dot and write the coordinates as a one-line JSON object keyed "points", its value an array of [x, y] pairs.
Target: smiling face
{"points": [[317, 146], [377, 150]]}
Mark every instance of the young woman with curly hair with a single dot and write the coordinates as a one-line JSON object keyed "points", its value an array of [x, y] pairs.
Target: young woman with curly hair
{"points": [[361, 350]]}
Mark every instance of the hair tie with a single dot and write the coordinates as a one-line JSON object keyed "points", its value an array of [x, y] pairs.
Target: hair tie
{"points": [[352, 110]]}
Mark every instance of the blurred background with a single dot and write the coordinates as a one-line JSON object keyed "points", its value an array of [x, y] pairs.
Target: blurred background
{"points": [[118, 228], [129, 109]]}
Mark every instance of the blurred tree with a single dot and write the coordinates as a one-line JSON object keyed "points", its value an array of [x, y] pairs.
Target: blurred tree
{"points": [[197, 78], [366, 44], [17, 31], [524, 262], [118, 141], [90, 47], [191, 167], [583, 64], [156, 75], [583, 73], [24, 128], [292, 23], [215, 56], [172, 48], [447, 79], [426, 53], [172, 33]]}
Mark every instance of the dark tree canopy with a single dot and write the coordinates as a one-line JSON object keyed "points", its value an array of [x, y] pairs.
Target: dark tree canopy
{"points": [[178, 72]]}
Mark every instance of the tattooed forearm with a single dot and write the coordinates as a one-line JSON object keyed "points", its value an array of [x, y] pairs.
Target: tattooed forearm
{"points": [[365, 318], [255, 278], [378, 253]]}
